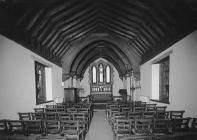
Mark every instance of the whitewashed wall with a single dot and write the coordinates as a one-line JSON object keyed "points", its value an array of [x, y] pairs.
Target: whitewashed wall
{"points": [[17, 79], [183, 75]]}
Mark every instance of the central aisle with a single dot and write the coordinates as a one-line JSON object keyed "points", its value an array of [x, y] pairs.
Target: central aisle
{"points": [[99, 128]]}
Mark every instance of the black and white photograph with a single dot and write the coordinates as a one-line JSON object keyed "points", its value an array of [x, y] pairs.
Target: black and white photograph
{"points": [[98, 69]]}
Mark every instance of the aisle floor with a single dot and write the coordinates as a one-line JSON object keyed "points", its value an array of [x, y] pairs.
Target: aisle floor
{"points": [[99, 128]]}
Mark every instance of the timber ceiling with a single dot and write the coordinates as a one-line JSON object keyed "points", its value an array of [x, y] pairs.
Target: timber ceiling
{"points": [[74, 33]]}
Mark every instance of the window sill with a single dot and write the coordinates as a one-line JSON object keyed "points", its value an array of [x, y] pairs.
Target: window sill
{"points": [[165, 102], [44, 102]]}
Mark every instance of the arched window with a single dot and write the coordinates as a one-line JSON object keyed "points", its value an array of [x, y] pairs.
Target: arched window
{"points": [[108, 74], [93, 74], [100, 73]]}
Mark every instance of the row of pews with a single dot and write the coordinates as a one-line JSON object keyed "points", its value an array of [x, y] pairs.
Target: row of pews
{"points": [[61, 121], [139, 120]]}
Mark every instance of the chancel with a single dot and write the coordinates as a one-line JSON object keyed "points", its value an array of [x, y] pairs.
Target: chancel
{"points": [[98, 69]]}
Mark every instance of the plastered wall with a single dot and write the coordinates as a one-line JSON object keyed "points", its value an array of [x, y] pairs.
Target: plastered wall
{"points": [[17, 79], [183, 76]]}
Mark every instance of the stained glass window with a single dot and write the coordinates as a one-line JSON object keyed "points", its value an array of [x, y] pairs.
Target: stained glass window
{"points": [[108, 78], [94, 74], [100, 73]]}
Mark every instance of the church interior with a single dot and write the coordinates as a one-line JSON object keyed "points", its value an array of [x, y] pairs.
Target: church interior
{"points": [[98, 70]]}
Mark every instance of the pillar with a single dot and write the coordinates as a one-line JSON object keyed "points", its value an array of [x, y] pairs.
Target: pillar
{"points": [[126, 84]]}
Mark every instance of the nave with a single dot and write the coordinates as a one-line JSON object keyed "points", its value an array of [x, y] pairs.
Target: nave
{"points": [[99, 49]]}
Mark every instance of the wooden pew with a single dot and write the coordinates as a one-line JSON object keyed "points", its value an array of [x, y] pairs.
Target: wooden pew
{"points": [[38, 116], [65, 116], [123, 128], [52, 131], [39, 110], [33, 127], [82, 119], [16, 126], [3, 129], [117, 116], [51, 116], [143, 126], [180, 124], [25, 115], [162, 127], [18, 131], [135, 115], [176, 114], [148, 114], [138, 109], [71, 129], [194, 125]]}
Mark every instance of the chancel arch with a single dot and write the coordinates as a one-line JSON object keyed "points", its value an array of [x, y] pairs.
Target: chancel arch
{"points": [[100, 49]]}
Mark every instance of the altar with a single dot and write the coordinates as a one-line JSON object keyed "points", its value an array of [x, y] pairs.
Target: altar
{"points": [[101, 93]]}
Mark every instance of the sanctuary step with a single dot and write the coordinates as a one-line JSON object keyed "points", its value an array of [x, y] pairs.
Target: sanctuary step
{"points": [[99, 105], [100, 100]]}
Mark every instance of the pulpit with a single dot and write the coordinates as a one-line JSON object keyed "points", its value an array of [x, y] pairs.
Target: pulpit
{"points": [[71, 95]]}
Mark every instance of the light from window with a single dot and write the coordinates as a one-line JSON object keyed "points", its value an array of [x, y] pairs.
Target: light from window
{"points": [[101, 73], [108, 78], [48, 83], [63, 84], [43, 81], [155, 81], [160, 80], [94, 74]]}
